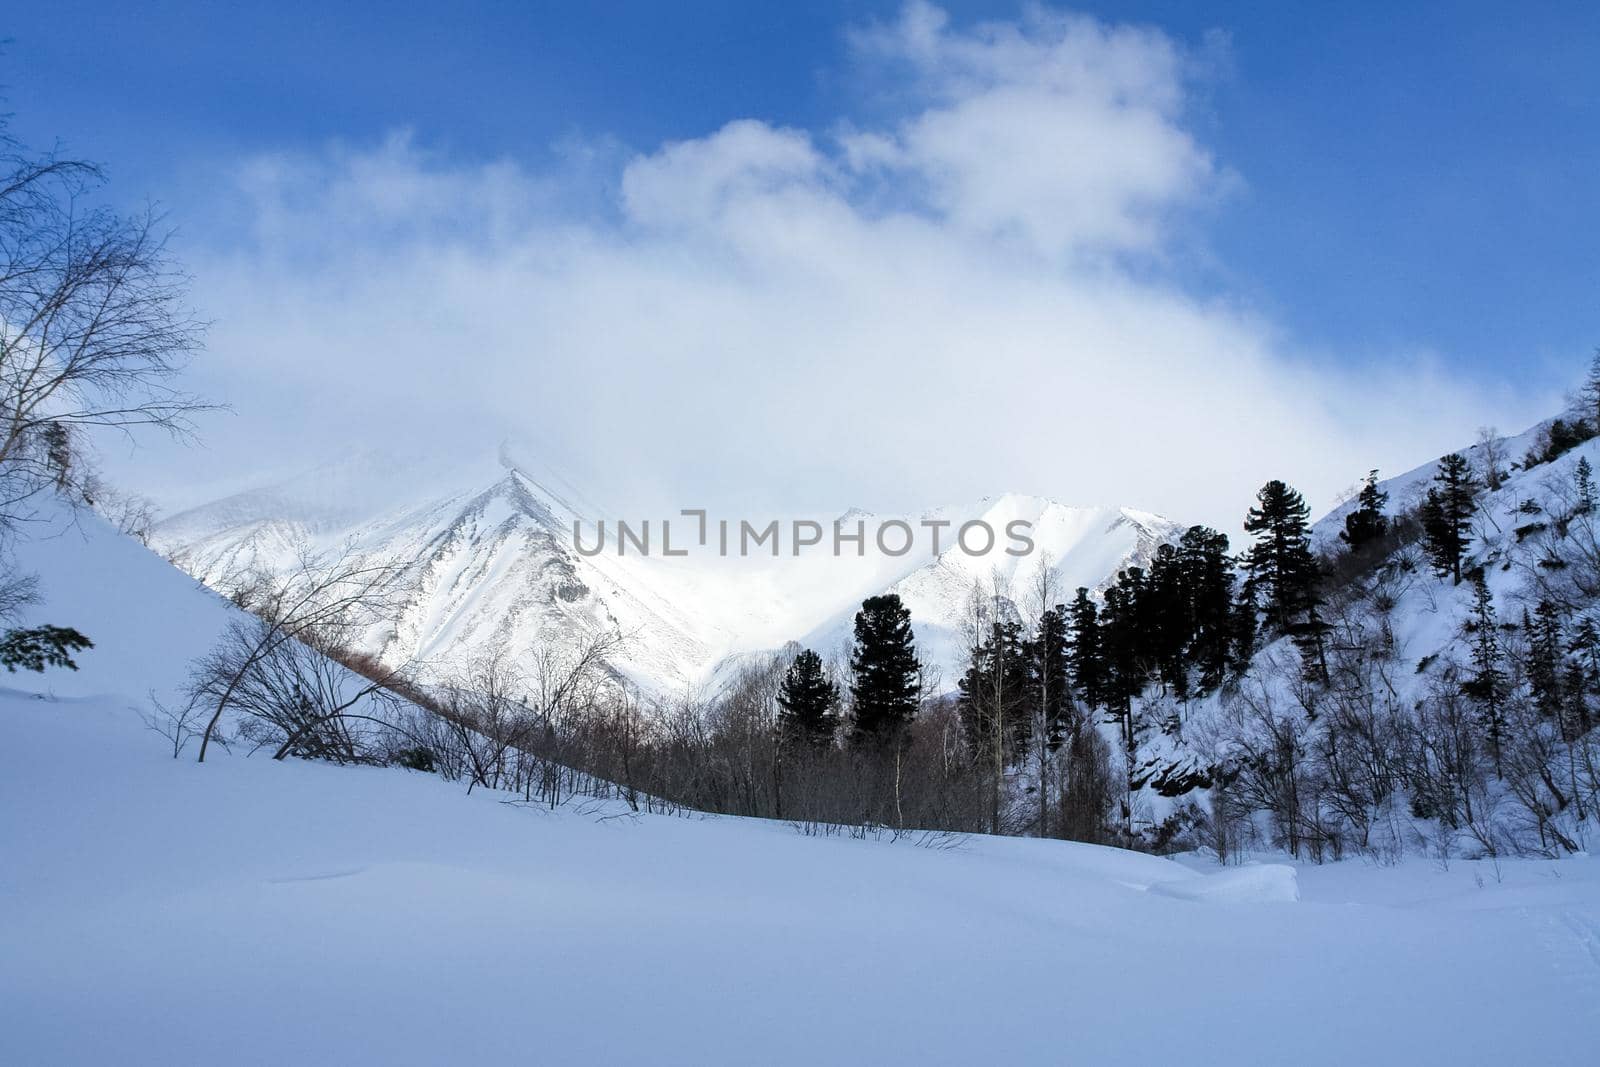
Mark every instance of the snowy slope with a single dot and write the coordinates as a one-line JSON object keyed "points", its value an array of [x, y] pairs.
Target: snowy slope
{"points": [[1425, 617], [494, 568], [147, 618], [247, 911]]}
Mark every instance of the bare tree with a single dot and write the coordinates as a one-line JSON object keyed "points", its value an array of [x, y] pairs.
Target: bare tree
{"points": [[93, 326], [1492, 450], [322, 604]]}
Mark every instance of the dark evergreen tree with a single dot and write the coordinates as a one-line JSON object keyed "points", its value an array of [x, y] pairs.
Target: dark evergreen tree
{"points": [[1166, 622], [1447, 515], [1084, 654], [1545, 659], [1242, 638], [1208, 582], [39, 647], [1051, 669], [1487, 684], [1367, 523], [808, 702], [1122, 642], [1583, 477], [884, 687], [1282, 570], [995, 693], [1583, 676]]}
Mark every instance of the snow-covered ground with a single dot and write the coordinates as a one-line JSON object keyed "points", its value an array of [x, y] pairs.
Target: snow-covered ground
{"points": [[251, 911], [247, 911]]}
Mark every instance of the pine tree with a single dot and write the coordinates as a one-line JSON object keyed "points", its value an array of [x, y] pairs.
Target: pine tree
{"points": [[1122, 642], [1367, 523], [1583, 675], [39, 647], [1280, 563], [1085, 657], [1487, 685], [1545, 673], [1166, 622], [884, 686], [808, 702], [1208, 582], [1242, 633], [1583, 477], [1051, 667], [994, 692], [1447, 515]]}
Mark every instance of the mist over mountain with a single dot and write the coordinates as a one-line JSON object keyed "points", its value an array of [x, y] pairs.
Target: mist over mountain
{"points": [[492, 565]]}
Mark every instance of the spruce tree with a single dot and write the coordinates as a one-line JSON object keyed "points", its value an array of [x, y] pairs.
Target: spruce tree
{"points": [[1447, 515], [1545, 659], [884, 686], [1242, 634], [1583, 477], [1281, 566], [1122, 642], [808, 702], [1487, 685], [1583, 675], [1051, 668], [1167, 622], [994, 693], [1367, 523], [1208, 582], [1084, 654], [38, 647]]}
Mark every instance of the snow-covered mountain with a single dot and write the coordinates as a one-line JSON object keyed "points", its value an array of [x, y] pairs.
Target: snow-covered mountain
{"points": [[494, 566]]}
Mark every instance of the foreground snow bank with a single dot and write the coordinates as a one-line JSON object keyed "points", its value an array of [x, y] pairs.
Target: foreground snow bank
{"points": [[246, 911], [1262, 883]]}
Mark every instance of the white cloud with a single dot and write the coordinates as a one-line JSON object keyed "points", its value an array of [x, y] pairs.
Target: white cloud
{"points": [[949, 303], [1060, 131]]}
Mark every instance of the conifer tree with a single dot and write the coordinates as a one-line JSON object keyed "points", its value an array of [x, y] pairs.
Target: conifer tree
{"points": [[994, 692], [1051, 668], [1280, 564], [1583, 675], [1084, 654], [1367, 523], [1208, 582], [1166, 622], [1487, 685], [1242, 635], [884, 685], [1447, 515], [1122, 643], [808, 702], [1583, 477], [1545, 673], [38, 647]]}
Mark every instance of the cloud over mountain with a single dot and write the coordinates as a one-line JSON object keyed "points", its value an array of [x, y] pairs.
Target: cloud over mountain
{"points": [[966, 288]]}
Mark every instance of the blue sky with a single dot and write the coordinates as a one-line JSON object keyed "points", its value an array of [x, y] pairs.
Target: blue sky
{"points": [[1422, 174], [1391, 184]]}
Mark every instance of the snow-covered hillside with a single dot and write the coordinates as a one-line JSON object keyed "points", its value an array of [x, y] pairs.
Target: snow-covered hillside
{"points": [[1400, 650], [249, 911], [147, 619], [494, 567]]}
